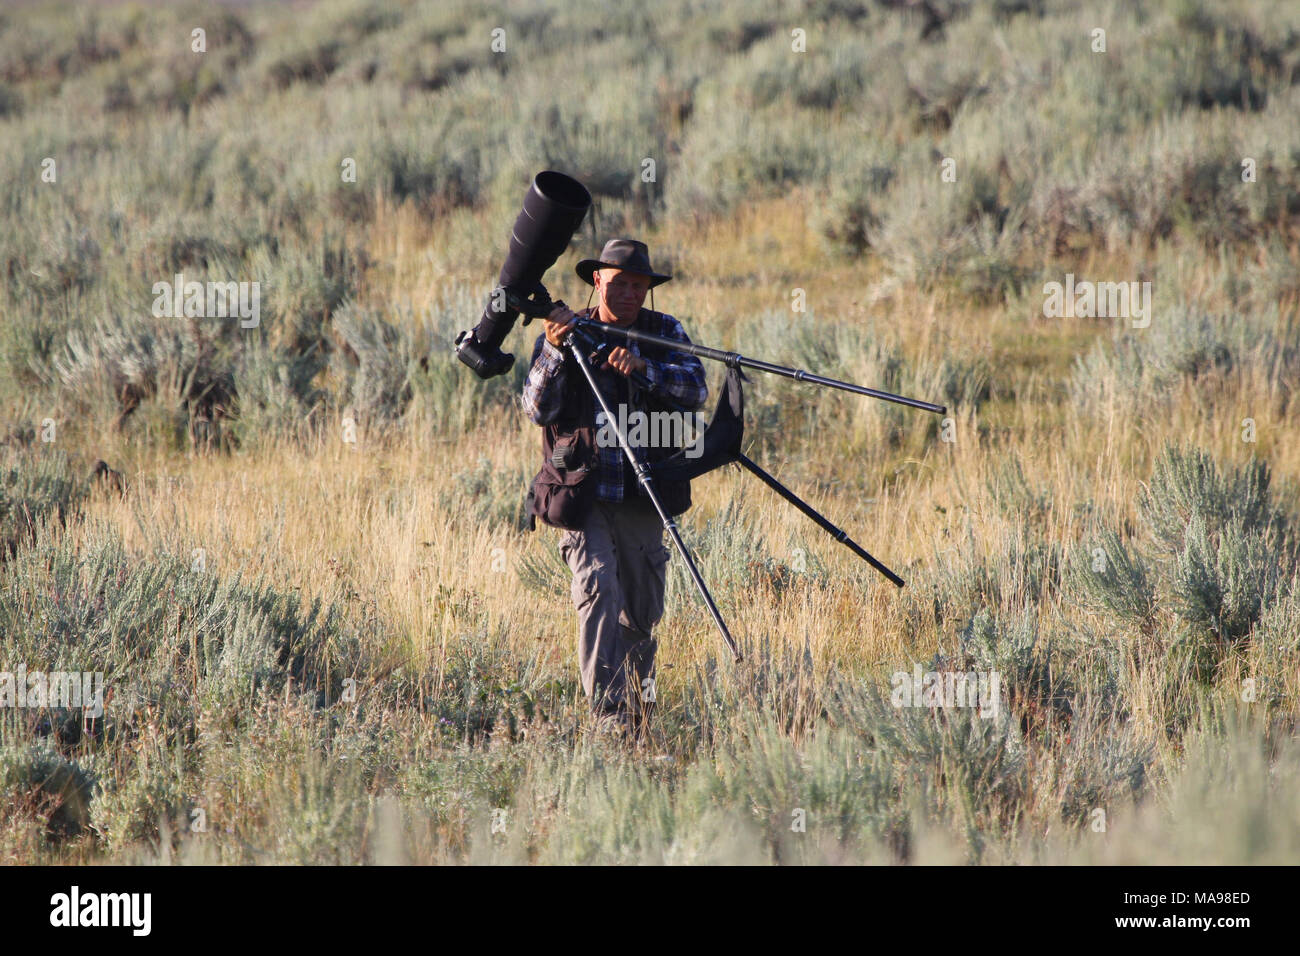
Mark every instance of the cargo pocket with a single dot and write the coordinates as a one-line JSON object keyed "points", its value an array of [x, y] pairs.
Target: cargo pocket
{"points": [[566, 546], [647, 607], [587, 581], [659, 564]]}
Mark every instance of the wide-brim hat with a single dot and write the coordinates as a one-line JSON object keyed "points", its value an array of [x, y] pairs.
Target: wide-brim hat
{"points": [[626, 254]]}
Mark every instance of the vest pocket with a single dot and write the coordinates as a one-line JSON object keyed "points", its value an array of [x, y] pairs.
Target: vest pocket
{"points": [[562, 499]]}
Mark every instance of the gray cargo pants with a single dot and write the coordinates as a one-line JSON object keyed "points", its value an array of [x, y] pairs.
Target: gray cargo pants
{"points": [[619, 566]]}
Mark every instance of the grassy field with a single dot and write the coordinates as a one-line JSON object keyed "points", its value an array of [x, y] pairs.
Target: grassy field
{"points": [[325, 635]]}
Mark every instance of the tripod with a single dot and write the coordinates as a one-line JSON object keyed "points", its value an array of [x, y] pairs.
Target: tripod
{"points": [[721, 438], [576, 341]]}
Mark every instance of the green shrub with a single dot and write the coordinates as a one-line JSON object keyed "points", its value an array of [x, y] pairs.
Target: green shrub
{"points": [[37, 782], [35, 487], [1222, 580], [382, 358], [1187, 483], [1116, 578]]}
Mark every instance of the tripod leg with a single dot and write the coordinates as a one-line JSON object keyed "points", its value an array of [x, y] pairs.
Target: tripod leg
{"points": [[643, 477], [837, 533]]}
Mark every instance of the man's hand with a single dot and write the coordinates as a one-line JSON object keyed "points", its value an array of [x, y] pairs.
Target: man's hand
{"points": [[623, 361], [558, 323]]}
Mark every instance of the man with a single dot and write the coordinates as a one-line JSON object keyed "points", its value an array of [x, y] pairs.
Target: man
{"points": [[614, 542]]}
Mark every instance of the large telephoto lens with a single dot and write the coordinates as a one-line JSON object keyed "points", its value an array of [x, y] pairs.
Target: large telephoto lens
{"points": [[554, 207]]}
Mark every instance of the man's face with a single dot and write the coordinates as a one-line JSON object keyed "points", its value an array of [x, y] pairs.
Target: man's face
{"points": [[621, 293]]}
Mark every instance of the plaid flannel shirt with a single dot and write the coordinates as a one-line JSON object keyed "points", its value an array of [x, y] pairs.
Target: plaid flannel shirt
{"points": [[679, 374]]}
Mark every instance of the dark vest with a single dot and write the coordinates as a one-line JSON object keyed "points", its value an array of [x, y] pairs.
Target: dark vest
{"points": [[564, 490]]}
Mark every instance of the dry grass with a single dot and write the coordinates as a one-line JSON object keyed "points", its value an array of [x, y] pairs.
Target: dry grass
{"points": [[458, 626]]}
